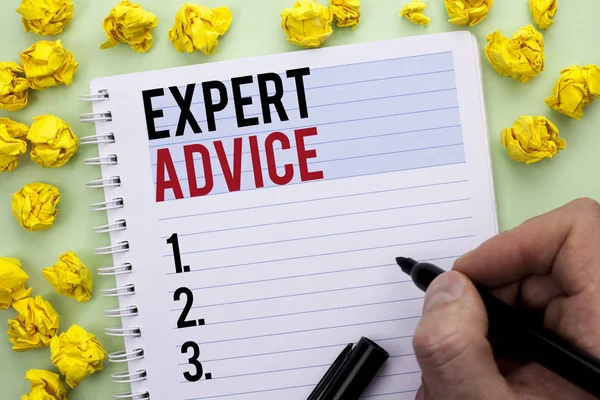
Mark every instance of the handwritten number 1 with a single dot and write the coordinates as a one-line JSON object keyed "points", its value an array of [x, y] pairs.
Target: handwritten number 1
{"points": [[174, 241]]}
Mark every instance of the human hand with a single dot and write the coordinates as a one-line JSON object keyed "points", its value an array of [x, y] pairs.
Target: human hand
{"points": [[551, 264]]}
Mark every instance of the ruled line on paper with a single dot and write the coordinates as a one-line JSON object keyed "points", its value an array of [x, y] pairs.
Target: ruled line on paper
{"points": [[377, 79], [167, 144], [341, 177], [306, 349], [399, 374], [332, 253], [321, 217], [283, 277], [331, 85], [252, 392], [308, 330], [304, 275], [294, 350], [267, 372], [323, 236], [202, 121], [363, 62], [366, 137], [313, 163], [298, 369], [310, 311], [391, 393], [289, 388], [386, 60], [400, 355], [299, 294], [315, 199]]}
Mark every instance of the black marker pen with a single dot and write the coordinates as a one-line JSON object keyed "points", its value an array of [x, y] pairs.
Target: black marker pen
{"points": [[512, 327]]}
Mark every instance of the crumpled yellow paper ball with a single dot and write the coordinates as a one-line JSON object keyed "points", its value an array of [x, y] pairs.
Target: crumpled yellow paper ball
{"points": [[12, 143], [47, 64], [307, 24], [575, 88], [45, 385], [467, 12], [129, 23], [70, 277], [520, 57], [532, 139], [346, 12], [413, 11], [14, 128], [199, 27], [14, 88], [46, 17], [10, 150], [543, 11], [53, 142], [34, 206], [12, 282], [77, 354], [35, 325]]}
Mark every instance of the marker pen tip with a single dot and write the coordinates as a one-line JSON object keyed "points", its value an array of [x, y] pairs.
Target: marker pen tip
{"points": [[406, 264]]}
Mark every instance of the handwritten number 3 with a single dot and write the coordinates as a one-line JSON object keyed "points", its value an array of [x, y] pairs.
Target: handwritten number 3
{"points": [[193, 360]]}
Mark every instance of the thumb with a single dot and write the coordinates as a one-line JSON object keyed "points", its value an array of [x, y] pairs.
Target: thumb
{"points": [[451, 346]]}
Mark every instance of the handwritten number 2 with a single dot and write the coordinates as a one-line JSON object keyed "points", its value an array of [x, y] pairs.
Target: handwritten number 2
{"points": [[189, 301], [193, 360]]}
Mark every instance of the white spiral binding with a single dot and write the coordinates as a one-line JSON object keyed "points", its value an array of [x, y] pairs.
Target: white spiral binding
{"points": [[117, 226], [125, 357], [132, 396], [101, 95], [107, 205], [130, 311], [127, 290], [108, 160], [122, 269], [125, 313], [114, 181], [105, 116], [123, 332], [121, 247], [102, 138], [125, 377]]}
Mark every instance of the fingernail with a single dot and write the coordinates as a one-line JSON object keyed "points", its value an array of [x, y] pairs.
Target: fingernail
{"points": [[445, 288], [420, 393], [459, 259]]}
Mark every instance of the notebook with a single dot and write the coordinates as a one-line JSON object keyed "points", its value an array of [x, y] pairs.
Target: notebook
{"points": [[256, 208]]}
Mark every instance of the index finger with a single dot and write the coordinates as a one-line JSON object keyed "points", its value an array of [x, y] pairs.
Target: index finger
{"points": [[564, 243]]}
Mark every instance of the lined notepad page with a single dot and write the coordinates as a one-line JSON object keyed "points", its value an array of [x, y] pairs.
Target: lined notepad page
{"points": [[284, 276]]}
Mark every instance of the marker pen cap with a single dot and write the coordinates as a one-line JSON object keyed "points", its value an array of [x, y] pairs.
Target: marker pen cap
{"points": [[357, 372]]}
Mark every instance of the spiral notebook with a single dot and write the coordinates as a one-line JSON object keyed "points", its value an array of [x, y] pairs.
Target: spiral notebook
{"points": [[256, 207]]}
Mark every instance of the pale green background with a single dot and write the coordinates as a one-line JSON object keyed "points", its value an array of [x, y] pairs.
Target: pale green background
{"points": [[522, 191]]}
